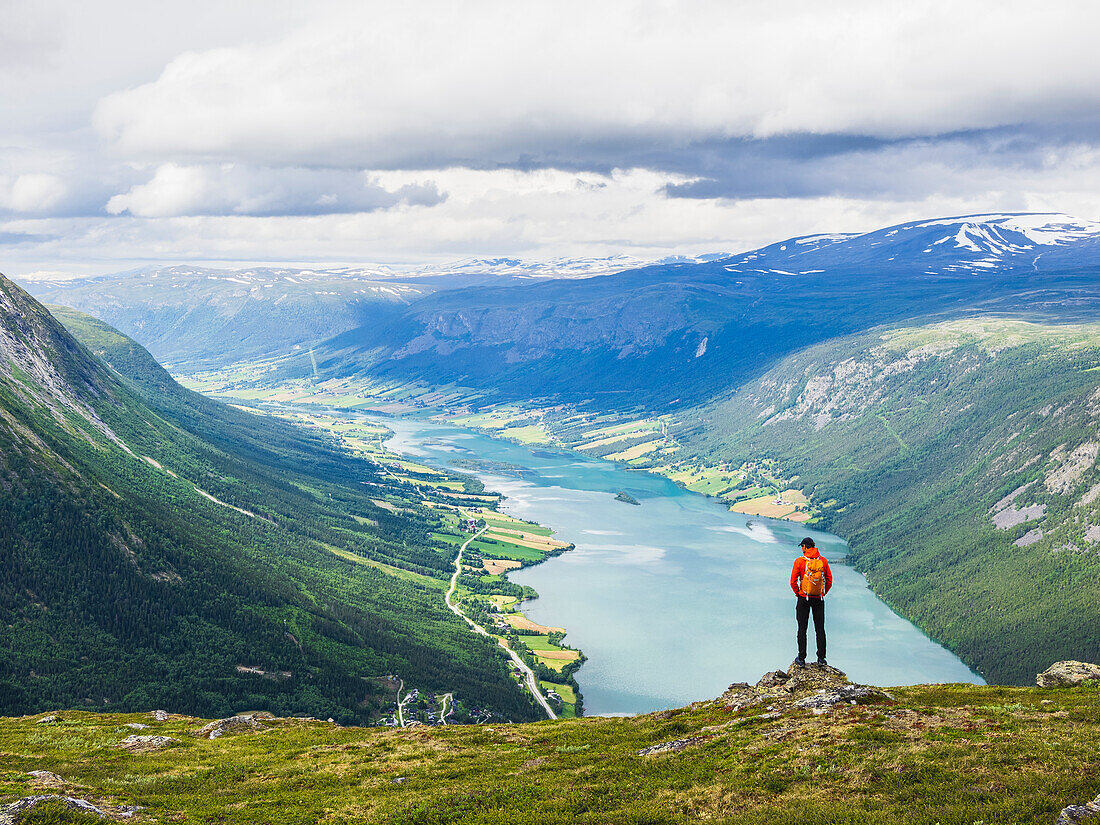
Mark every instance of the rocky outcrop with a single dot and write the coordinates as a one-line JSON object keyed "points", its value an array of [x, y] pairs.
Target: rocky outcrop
{"points": [[141, 744], [234, 724], [13, 813], [671, 747], [848, 695], [814, 687], [47, 779], [1073, 814], [1067, 674], [52, 719], [160, 716]]}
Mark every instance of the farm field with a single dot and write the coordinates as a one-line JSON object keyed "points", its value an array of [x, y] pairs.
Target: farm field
{"points": [[521, 622], [496, 567], [637, 451], [766, 505]]}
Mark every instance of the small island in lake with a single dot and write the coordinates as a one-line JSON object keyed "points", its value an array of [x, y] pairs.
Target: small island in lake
{"points": [[626, 497]]}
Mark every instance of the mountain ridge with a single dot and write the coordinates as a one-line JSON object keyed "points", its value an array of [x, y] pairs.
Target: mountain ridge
{"points": [[148, 561]]}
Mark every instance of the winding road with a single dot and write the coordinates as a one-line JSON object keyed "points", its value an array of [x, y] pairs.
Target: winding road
{"points": [[532, 682]]}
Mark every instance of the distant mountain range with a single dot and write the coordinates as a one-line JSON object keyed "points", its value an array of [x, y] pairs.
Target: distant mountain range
{"points": [[674, 334], [974, 243], [198, 317], [596, 327]]}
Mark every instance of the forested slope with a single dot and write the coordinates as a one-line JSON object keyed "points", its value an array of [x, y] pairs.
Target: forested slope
{"points": [[156, 543], [959, 460]]}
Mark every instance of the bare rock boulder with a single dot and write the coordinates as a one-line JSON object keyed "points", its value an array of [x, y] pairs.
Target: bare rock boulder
{"points": [[847, 695], [160, 716], [234, 724], [773, 678], [1067, 674], [671, 747], [12, 813], [1074, 814], [141, 744]]}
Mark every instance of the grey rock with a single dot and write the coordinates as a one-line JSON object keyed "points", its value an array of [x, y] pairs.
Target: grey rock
{"points": [[47, 778], [138, 743], [49, 720], [1067, 674], [773, 678], [671, 747], [813, 677], [12, 813], [848, 695], [234, 724], [1073, 814], [137, 726], [160, 715]]}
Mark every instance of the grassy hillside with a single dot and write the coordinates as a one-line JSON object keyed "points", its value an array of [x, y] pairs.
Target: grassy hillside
{"points": [[948, 754], [959, 459], [162, 549]]}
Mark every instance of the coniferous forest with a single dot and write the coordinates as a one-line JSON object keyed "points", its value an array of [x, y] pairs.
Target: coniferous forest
{"points": [[163, 550]]}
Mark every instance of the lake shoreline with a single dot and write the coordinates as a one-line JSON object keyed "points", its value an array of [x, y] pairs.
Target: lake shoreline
{"points": [[610, 663]]}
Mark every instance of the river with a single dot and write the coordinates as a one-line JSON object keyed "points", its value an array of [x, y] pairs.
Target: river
{"points": [[674, 599]]}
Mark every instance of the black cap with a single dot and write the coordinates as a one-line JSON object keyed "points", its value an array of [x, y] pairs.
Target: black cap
{"points": [[807, 542]]}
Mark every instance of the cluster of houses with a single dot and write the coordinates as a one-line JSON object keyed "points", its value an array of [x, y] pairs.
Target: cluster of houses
{"points": [[413, 718], [798, 506]]}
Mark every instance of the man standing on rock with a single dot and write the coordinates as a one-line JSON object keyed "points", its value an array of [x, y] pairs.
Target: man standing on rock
{"points": [[811, 579]]}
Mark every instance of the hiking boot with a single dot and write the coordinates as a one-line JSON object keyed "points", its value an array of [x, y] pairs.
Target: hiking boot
{"points": [[800, 660], [821, 661]]}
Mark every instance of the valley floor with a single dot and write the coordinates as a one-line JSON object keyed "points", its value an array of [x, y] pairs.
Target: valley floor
{"points": [[644, 444], [949, 754], [479, 592]]}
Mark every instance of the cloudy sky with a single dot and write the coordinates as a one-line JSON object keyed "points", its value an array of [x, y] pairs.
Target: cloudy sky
{"points": [[357, 132]]}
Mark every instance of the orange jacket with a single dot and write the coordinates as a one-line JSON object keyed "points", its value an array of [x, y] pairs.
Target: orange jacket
{"points": [[800, 568]]}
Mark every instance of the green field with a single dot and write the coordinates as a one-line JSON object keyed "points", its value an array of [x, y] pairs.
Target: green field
{"points": [[530, 434], [567, 693], [501, 550], [509, 523]]}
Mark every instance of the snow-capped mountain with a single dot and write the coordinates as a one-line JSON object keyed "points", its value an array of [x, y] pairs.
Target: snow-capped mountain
{"points": [[971, 243]]}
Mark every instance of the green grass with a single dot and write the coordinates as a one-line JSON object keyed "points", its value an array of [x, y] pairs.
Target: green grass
{"points": [[513, 524], [949, 754], [539, 643], [531, 434], [565, 691], [504, 550]]}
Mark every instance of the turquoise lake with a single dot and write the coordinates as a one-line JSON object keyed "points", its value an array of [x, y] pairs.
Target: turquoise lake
{"points": [[674, 599]]}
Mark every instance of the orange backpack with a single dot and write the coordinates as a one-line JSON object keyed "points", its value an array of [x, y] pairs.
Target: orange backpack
{"points": [[813, 577]]}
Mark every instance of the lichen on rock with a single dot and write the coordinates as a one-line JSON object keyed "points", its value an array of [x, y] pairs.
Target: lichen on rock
{"points": [[1067, 674]]}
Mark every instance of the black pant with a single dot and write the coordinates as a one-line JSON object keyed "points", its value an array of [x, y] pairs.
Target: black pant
{"points": [[802, 612]]}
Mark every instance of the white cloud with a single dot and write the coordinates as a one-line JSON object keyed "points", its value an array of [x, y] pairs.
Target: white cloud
{"points": [[230, 189], [245, 130], [31, 192], [539, 214], [382, 85]]}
